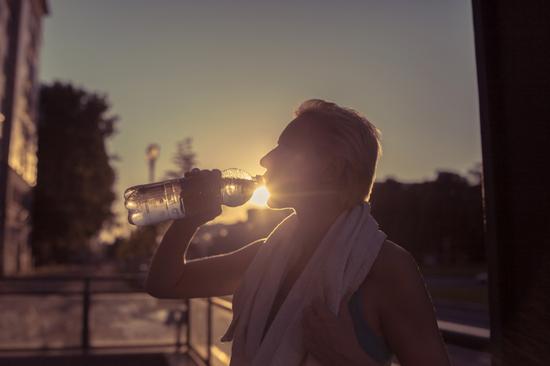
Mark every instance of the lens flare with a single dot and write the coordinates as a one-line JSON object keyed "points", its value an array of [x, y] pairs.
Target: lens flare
{"points": [[260, 196]]}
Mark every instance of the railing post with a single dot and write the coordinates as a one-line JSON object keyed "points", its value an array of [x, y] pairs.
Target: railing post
{"points": [[188, 323], [180, 319], [209, 332], [86, 315]]}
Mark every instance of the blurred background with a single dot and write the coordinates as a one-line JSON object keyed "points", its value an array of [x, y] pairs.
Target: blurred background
{"points": [[98, 96]]}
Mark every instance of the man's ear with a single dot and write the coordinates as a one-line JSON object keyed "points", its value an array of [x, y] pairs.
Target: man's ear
{"points": [[333, 171]]}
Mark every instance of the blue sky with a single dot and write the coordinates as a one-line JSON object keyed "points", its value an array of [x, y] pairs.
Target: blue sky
{"points": [[230, 73]]}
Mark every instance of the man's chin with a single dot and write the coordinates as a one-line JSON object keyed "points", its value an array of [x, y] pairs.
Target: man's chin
{"points": [[275, 202]]}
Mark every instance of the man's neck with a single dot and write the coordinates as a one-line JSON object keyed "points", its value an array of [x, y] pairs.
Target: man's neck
{"points": [[314, 221]]}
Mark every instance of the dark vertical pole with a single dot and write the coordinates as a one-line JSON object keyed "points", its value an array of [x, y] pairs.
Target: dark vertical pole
{"points": [[86, 315], [8, 105], [179, 323], [489, 200], [209, 333], [513, 61], [188, 323], [151, 170]]}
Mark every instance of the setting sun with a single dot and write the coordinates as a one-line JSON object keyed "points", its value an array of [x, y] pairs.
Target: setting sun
{"points": [[260, 196]]}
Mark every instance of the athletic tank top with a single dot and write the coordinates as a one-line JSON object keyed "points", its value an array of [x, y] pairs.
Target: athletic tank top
{"points": [[375, 346]]}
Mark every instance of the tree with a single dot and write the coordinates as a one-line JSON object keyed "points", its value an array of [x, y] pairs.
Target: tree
{"points": [[139, 246], [441, 219], [74, 191], [184, 159]]}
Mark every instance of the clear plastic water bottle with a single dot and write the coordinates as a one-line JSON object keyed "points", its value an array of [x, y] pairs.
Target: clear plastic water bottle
{"points": [[149, 204]]}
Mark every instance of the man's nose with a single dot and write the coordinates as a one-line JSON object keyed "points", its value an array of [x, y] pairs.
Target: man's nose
{"points": [[264, 161]]}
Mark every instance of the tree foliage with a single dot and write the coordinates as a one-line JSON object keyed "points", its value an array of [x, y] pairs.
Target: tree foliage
{"points": [[139, 246], [74, 190], [184, 159], [439, 220]]}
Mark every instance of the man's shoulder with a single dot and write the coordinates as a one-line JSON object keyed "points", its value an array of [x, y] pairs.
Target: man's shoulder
{"points": [[392, 263]]}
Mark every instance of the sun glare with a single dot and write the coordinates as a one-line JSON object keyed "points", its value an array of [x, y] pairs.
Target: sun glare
{"points": [[260, 196]]}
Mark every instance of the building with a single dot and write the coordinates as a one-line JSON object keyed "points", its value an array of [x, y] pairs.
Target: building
{"points": [[20, 40]]}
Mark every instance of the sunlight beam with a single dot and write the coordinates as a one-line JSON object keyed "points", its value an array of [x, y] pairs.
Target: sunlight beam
{"points": [[260, 196]]}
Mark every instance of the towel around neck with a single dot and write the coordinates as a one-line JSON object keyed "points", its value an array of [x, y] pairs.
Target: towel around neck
{"points": [[338, 265]]}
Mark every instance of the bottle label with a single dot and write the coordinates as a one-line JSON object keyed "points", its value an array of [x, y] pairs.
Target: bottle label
{"points": [[174, 204], [155, 213], [175, 209]]}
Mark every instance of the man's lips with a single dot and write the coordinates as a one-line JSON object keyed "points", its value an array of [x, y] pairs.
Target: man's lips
{"points": [[269, 184], [273, 183], [266, 178]]}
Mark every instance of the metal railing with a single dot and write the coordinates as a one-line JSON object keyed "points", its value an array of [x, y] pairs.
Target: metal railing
{"points": [[133, 284], [212, 351], [467, 337]]}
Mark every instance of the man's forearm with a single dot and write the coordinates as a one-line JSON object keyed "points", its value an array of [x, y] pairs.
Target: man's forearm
{"points": [[169, 258]]}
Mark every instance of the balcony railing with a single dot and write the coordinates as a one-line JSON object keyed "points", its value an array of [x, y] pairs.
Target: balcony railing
{"points": [[90, 315]]}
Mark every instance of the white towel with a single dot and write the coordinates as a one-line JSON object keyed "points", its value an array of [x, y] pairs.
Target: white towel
{"points": [[338, 265]]}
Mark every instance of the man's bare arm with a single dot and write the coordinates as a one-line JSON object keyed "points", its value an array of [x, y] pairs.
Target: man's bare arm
{"points": [[406, 311], [172, 276]]}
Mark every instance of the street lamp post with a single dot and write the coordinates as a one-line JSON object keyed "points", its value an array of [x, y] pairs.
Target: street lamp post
{"points": [[152, 153]]}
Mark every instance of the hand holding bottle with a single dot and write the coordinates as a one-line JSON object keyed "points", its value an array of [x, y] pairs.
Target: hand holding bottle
{"points": [[198, 194], [201, 195]]}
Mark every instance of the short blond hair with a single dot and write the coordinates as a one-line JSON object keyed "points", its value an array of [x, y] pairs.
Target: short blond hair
{"points": [[349, 138]]}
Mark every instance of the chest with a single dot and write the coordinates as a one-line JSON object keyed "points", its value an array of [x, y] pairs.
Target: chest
{"points": [[369, 289], [294, 271]]}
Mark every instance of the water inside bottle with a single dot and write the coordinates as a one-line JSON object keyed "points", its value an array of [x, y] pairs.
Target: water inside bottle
{"points": [[152, 203], [237, 187], [236, 192], [159, 202]]}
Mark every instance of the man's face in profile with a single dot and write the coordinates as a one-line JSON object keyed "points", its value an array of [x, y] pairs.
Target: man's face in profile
{"points": [[293, 169]]}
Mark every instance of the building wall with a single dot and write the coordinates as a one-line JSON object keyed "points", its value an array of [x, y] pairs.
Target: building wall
{"points": [[23, 139], [4, 15], [20, 41]]}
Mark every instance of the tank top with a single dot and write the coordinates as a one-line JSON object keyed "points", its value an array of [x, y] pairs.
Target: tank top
{"points": [[375, 346]]}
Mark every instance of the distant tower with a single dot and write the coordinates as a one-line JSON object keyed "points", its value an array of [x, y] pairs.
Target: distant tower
{"points": [[152, 153], [20, 40]]}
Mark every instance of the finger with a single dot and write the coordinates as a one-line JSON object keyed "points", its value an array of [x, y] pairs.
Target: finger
{"points": [[213, 194], [214, 180], [191, 173]]}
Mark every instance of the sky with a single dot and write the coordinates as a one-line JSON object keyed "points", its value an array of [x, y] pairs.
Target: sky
{"points": [[230, 74]]}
